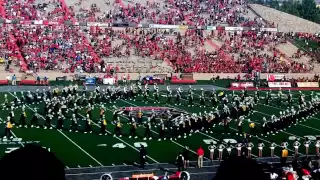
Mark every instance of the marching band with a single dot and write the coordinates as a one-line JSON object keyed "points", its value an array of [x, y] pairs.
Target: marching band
{"points": [[67, 103]]}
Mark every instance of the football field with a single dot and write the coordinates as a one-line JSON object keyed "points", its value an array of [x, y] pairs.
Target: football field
{"points": [[78, 150]]}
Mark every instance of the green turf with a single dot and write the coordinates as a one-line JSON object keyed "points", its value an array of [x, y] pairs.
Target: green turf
{"points": [[79, 149]]}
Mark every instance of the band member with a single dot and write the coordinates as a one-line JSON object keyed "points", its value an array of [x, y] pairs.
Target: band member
{"points": [[220, 148], [260, 147], [139, 116], [102, 112], [284, 144], [118, 129], [249, 148], [74, 124], [11, 115], [240, 122], [190, 97], [147, 133], [178, 96], [34, 120], [296, 145], [169, 95], [307, 143], [8, 131], [156, 94], [88, 125], [226, 122], [60, 122], [161, 131], [133, 130], [272, 147], [239, 147], [23, 117], [145, 97], [229, 148], [202, 98], [317, 145], [211, 148], [103, 125], [48, 120]]}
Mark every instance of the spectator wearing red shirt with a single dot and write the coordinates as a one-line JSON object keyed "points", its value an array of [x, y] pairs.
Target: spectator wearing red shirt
{"points": [[200, 153]]}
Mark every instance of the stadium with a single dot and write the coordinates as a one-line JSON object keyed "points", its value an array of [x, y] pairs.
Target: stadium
{"points": [[186, 89]]}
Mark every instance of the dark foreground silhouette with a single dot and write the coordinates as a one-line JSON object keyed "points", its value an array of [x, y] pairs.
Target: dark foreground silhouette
{"points": [[31, 162]]}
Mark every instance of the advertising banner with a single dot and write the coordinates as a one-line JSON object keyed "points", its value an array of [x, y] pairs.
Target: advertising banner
{"points": [[211, 27], [242, 84], [90, 81], [279, 84], [233, 28], [273, 77], [307, 84], [109, 81], [163, 26], [269, 29]]}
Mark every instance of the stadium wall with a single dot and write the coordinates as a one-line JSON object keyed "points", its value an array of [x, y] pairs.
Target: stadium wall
{"points": [[133, 76]]}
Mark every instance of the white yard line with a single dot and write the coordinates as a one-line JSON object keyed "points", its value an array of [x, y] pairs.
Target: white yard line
{"points": [[66, 137]]}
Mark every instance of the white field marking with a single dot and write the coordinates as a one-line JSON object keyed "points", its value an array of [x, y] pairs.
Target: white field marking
{"points": [[124, 164], [79, 166], [122, 140], [13, 134], [90, 165], [140, 170], [113, 165], [81, 148], [155, 131], [67, 138], [67, 167], [237, 130], [310, 127]]}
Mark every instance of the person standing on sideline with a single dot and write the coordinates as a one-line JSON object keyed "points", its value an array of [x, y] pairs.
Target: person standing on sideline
{"points": [[14, 80], [186, 157], [284, 155], [200, 153], [180, 161], [143, 156]]}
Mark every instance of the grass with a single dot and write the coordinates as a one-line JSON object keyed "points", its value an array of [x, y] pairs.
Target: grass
{"points": [[84, 150]]}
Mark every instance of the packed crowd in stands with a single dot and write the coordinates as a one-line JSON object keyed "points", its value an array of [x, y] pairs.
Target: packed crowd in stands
{"points": [[80, 49]]}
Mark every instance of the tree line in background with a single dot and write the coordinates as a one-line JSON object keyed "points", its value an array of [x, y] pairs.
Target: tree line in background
{"points": [[306, 9]]}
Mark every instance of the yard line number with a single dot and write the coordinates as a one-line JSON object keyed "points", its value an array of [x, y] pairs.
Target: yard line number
{"points": [[209, 141], [136, 144], [310, 137], [10, 149]]}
